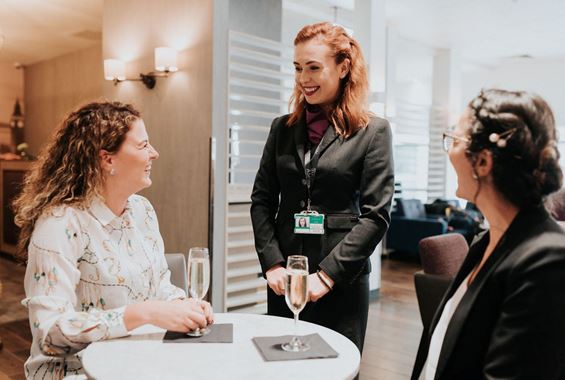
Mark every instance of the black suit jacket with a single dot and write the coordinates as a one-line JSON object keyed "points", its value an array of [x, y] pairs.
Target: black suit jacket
{"points": [[510, 324], [353, 187]]}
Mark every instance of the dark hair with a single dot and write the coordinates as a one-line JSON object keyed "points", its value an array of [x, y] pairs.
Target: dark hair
{"points": [[555, 204], [526, 165], [68, 172]]}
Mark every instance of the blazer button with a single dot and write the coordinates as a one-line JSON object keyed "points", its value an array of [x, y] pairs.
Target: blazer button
{"points": [[302, 203]]}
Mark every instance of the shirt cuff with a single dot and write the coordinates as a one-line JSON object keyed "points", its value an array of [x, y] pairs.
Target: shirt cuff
{"points": [[114, 320]]}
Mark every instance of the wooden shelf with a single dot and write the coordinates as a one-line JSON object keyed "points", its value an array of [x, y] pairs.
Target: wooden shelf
{"points": [[12, 174]]}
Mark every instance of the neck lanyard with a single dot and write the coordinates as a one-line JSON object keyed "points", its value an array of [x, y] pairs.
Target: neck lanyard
{"points": [[310, 166]]}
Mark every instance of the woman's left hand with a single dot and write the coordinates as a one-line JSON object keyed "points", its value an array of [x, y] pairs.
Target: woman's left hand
{"points": [[316, 288]]}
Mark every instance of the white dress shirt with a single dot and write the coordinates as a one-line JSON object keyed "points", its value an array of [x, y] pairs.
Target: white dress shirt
{"points": [[441, 328], [85, 264]]}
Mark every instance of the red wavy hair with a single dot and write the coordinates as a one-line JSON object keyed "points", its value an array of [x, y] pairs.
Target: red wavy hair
{"points": [[350, 111]]}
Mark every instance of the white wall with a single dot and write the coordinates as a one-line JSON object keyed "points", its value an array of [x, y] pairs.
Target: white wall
{"points": [[544, 77]]}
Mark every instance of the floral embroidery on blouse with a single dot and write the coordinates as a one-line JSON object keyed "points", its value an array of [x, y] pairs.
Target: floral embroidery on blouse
{"points": [[85, 265]]}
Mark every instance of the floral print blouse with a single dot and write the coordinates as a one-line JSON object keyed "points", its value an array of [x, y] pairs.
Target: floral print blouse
{"points": [[84, 266]]}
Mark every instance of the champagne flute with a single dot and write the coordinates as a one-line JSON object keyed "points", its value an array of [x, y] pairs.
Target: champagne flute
{"points": [[198, 279], [296, 295]]}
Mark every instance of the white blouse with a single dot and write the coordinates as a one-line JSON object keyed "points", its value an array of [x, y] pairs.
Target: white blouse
{"points": [[84, 266], [440, 330]]}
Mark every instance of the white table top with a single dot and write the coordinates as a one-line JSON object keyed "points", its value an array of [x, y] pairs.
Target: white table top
{"points": [[144, 355]]}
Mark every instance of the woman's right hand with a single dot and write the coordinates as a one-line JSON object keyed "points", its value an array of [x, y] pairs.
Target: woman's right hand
{"points": [[276, 278], [177, 315]]}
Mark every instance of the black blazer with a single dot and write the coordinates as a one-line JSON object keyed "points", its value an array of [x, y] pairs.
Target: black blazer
{"points": [[510, 324], [353, 187]]}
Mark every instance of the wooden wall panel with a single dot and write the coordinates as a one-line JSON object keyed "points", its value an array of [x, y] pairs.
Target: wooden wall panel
{"points": [[55, 87], [177, 112]]}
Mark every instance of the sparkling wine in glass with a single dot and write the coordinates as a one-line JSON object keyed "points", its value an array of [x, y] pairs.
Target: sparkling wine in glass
{"points": [[296, 295], [198, 279]]}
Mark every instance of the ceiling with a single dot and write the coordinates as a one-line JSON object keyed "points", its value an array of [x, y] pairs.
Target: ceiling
{"points": [[35, 30], [483, 31]]}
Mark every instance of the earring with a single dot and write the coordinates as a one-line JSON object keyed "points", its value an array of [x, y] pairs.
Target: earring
{"points": [[112, 171], [475, 176]]}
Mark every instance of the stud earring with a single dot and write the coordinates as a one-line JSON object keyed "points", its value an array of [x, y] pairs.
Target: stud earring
{"points": [[112, 171]]}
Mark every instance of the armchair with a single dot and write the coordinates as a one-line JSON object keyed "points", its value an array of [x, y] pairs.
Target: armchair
{"points": [[441, 258], [409, 224], [177, 265], [463, 221]]}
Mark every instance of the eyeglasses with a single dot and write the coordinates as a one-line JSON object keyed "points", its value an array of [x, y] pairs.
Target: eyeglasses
{"points": [[449, 139]]}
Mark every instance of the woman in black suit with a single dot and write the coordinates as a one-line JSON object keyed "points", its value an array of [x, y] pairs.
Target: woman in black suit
{"points": [[503, 316], [329, 157]]}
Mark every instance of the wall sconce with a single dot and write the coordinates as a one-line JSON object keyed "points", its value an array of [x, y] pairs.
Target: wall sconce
{"points": [[165, 63]]}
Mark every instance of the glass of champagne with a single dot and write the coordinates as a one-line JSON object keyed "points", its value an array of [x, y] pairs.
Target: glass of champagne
{"points": [[296, 295], [198, 279]]}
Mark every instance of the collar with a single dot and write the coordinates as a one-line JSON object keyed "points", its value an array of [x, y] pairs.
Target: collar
{"points": [[300, 136], [104, 215], [317, 123], [314, 112]]}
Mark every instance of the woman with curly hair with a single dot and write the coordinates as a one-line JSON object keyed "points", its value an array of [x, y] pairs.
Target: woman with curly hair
{"points": [[330, 161], [503, 315], [95, 259]]}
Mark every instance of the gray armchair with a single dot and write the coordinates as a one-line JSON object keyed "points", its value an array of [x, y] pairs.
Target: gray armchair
{"points": [[177, 266]]}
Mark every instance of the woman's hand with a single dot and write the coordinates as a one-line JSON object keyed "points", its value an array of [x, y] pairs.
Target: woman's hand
{"points": [[206, 308], [177, 315], [276, 278], [316, 288]]}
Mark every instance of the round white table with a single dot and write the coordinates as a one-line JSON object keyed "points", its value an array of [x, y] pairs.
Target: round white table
{"points": [[144, 355]]}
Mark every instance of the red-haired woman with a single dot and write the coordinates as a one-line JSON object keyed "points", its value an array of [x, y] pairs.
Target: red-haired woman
{"points": [[330, 161]]}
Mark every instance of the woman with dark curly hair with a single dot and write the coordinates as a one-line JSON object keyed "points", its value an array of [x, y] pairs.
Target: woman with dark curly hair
{"points": [[96, 267], [503, 316]]}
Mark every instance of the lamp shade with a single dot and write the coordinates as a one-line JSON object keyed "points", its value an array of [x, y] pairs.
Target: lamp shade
{"points": [[166, 59], [114, 69]]}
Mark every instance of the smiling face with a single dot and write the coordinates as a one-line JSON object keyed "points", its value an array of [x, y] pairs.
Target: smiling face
{"points": [[131, 164], [316, 73], [466, 184]]}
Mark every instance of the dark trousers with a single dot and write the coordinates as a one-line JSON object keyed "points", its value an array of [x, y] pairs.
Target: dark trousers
{"points": [[344, 309]]}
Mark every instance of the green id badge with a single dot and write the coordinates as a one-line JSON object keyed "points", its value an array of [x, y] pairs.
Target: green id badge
{"points": [[309, 223]]}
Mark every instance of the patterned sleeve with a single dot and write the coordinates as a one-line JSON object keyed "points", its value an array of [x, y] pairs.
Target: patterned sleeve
{"points": [[167, 291], [51, 278]]}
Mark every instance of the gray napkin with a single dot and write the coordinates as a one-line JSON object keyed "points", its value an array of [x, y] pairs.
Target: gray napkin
{"points": [[219, 333], [270, 348]]}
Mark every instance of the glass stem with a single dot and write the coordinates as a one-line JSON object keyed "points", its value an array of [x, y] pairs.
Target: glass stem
{"points": [[295, 342]]}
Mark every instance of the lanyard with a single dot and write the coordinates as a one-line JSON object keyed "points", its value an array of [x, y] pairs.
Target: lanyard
{"points": [[310, 165]]}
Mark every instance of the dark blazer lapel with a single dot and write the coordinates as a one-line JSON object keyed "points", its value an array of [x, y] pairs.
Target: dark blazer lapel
{"points": [[329, 137], [514, 236], [300, 139]]}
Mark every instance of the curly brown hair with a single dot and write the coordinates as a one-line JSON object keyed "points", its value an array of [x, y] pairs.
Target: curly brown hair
{"points": [[351, 112], [68, 171], [526, 168]]}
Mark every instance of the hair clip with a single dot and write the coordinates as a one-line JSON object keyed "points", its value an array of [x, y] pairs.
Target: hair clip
{"points": [[501, 139]]}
